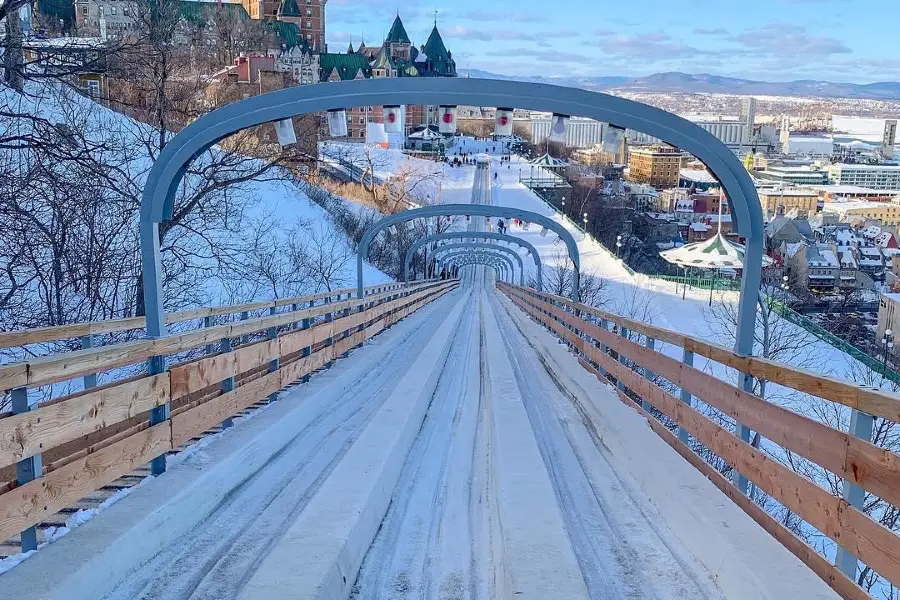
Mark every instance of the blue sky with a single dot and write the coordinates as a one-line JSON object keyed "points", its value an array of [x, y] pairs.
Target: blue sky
{"points": [[775, 40]]}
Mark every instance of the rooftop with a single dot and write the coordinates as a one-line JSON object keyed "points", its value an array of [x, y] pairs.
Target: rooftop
{"points": [[698, 175], [865, 167]]}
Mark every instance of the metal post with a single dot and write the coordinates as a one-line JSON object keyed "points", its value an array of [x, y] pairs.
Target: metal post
{"points": [[159, 414], [272, 334], [304, 324], [688, 359], [648, 374], [27, 469], [861, 425], [294, 308], [743, 432], [623, 332], [329, 318], [209, 321], [243, 339], [90, 380], [227, 384]]}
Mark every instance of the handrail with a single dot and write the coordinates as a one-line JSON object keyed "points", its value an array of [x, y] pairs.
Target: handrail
{"points": [[36, 335], [90, 435], [54, 368], [860, 397], [635, 367]]}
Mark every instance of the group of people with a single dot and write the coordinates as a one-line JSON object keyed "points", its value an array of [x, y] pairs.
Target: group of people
{"points": [[450, 273]]}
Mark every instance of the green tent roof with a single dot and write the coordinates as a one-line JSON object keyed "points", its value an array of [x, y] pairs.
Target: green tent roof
{"points": [[198, 13], [398, 32], [289, 8], [436, 51]]}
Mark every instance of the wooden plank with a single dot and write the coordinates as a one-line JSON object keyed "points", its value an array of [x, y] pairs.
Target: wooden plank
{"points": [[839, 582], [13, 376], [36, 500], [872, 468], [192, 423], [202, 373], [36, 431], [871, 401], [872, 543]]}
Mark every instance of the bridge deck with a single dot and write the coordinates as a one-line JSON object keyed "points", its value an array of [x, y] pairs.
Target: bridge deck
{"points": [[462, 454]]}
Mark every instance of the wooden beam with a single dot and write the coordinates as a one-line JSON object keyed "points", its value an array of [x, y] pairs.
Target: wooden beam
{"points": [[36, 500], [46, 427], [871, 542]]}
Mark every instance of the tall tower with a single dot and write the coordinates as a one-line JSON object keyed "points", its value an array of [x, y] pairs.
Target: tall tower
{"points": [[889, 139], [307, 15], [748, 118]]}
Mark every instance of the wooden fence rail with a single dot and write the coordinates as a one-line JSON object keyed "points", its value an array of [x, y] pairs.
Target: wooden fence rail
{"points": [[105, 433], [626, 362]]}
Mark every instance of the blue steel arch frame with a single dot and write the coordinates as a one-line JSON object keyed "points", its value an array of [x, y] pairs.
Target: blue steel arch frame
{"points": [[481, 235], [491, 248], [157, 200], [474, 210], [501, 264]]}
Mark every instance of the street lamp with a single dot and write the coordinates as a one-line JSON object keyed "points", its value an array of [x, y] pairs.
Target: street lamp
{"points": [[887, 344], [585, 222], [618, 245], [785, 287]]}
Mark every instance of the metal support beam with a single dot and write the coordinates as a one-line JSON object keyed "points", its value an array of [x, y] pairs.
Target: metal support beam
{"points": [[27, 469], [491, 248], [648, 374], [861, 426], [274, 364], [481, 235], [687, 358], [90, 380], [483, 256]]}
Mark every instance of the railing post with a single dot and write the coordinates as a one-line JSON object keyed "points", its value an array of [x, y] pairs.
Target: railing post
{"points": [[228, 383], [294, 308], [688, 359], [648, 374], [623, 332], [742, 432], [159, 414], [304, 324], [329, 318], [243, 339], [275, 363], [90, 380], [861, 425], [209, 321], [27, 469]]}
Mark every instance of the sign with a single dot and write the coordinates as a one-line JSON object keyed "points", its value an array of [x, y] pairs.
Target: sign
{"points": [[393, 119], [558, 124], [337, 123], [503, 122], [447, 122], [284, 129], [544, 232]]}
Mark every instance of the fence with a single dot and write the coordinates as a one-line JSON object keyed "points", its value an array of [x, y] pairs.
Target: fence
{"points": [[627, 356], [60, 451]]}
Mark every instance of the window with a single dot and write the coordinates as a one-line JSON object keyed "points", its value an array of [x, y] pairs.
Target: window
{"points": [[308, 12], [84, 10], [112, 10]]}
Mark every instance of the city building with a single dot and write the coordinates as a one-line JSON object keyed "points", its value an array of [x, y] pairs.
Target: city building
{"points": [[847, 211], [814, 266], [397, 56], [879, 177], [307, 15], [82, 60], [889, 316], [696, 179], [828, 193], [807, 145], [783, 200], [660, 166], [795, 175]]}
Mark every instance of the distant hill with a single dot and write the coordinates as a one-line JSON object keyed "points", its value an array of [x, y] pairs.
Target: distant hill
{"points": [[716, 84]]}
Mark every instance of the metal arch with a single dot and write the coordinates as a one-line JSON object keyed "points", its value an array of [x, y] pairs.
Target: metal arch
{"points": [[476, 210], [503, 266], [168, 170], [477, 254], [487, 248], [498, 266], [483, 235]]}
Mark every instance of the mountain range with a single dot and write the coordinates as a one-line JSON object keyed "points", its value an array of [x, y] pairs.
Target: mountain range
{"points": [[713, 84]]}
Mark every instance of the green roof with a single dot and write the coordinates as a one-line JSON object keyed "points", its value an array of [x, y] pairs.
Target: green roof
{"points": [[347, 65], [398, 32], [197, 13], [383, 60], [437, 54], [289, 8], [288, 33]]}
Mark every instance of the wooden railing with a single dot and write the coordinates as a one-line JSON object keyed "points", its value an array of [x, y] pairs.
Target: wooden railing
{"points": [[628, 358], [76, 444], [38, 335]]}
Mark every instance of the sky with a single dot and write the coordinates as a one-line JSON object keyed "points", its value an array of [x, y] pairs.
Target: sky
{"points": [[772, 40]]}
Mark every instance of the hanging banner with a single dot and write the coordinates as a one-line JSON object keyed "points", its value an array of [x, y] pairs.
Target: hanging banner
{"points": [[558, 124], [284, 129], [544, 232], [393, 119], [612, 139], [447, 122], [337, 123], [503, 123]]}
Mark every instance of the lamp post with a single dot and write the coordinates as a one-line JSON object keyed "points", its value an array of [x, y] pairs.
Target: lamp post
{"points": [[618, 245], [564, 205], [785, 287], [887, 344], [584, 219]]}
